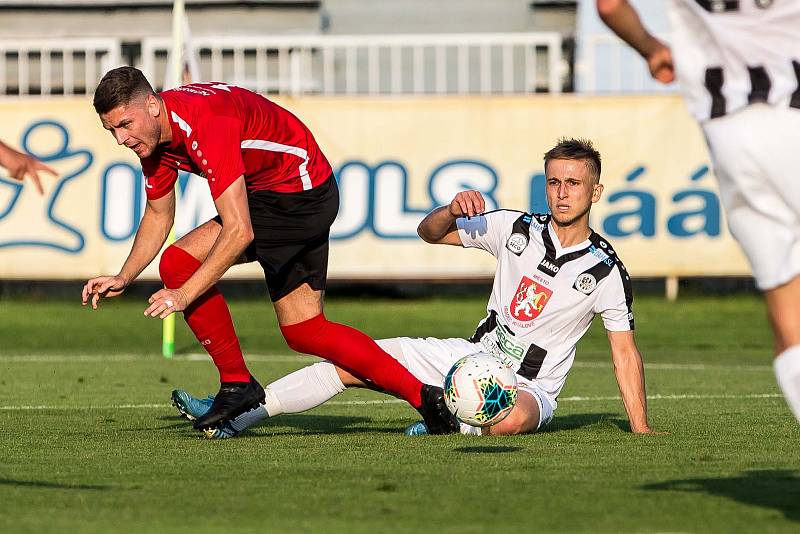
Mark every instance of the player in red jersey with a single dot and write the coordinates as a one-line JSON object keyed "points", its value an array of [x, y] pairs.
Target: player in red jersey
{"points": [[276, 197]]}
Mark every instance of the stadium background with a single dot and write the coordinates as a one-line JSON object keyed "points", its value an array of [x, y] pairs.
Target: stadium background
{"points": [[408, 109], [411, 100]]}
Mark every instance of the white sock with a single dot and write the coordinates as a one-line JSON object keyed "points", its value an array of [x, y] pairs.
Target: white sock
{"points": [[250, 418], [787, 371], [470, 430], [304, 389]]}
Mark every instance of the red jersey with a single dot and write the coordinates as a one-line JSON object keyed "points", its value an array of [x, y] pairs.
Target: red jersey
{"points": [[221, 132]]}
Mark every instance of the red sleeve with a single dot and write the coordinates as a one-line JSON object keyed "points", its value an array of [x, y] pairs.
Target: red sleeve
{"points": [[159, 178], [219, 152]]}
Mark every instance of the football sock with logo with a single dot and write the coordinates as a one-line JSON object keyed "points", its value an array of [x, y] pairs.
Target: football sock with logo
{"points": [[297, 392], [787, 371], [356, 352], [208, 316]]}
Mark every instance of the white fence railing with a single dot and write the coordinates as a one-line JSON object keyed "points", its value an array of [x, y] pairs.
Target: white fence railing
{"points": [[605, 64], [375, 64], [311, 64], [55, 66]]}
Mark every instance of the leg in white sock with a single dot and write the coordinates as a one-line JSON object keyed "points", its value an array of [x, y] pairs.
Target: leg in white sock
{"points": [[297, 392], [787, 371]]}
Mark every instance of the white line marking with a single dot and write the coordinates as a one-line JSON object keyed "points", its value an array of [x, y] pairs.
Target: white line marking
{"points": [[292, 358], [389, 401]]}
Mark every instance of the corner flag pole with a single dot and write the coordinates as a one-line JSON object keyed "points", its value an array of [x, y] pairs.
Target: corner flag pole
{"points": [[173, 79]]}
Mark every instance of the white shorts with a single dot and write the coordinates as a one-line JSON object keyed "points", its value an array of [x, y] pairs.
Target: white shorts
{"points": [[756, 156], [429, 359]]}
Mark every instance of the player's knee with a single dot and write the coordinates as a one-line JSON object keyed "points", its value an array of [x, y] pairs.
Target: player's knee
{"points": [[176, 266], [510, 426], [307, 337]]}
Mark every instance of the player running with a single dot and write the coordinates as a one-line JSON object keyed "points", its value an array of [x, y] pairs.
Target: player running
{"points": [[739, 67], [276, 197], [554, 274]]}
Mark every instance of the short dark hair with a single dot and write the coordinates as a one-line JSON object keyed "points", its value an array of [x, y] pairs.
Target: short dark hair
{"points": [[570, 148], [118, 87]]}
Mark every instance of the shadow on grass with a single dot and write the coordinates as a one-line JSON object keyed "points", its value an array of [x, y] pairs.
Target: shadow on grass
{"points": [[768, 488], [325, 424], [45, 484], [580, 420], [489, 449]]}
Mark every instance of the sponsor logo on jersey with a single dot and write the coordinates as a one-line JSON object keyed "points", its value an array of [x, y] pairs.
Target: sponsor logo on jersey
{"points": [[508, 345], [549, 267], [586, 283], [600, 255], [517, 243], [529, 300]]}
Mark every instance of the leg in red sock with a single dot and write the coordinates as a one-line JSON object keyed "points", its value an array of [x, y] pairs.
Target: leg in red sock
{"points": [[208, 316], [355, 351]]}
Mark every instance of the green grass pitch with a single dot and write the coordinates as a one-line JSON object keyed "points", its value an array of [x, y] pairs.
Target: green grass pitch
{"points": [[90, 444]]}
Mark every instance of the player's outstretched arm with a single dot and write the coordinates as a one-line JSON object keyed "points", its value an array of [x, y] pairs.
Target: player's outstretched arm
{"points": [[629, 372], [20, 165], [150, 237], [233, 239], [439, 226], [623, 20]]}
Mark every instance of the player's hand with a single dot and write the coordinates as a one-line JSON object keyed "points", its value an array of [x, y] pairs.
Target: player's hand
{"points": [[102, 286], [166, 301], [469, 203], [659, 61], [22, 165]]}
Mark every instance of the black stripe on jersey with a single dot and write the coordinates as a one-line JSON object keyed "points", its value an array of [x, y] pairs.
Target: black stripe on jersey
{"points": [[488, 324], [599, 242], [532, 362], [715, 6], [760, 85], [795, 101], [714, 81], [496, 211], [550, 264]]}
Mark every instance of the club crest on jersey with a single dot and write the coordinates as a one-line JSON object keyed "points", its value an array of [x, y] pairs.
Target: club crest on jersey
{"points": [[586, 283], [530, 299], [517, 243]]}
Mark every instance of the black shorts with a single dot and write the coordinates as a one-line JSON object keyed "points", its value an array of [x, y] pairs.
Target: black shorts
{"points": [[291, 236]]}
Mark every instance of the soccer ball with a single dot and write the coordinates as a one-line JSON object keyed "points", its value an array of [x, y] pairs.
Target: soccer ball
{"points": [[480, 390]]}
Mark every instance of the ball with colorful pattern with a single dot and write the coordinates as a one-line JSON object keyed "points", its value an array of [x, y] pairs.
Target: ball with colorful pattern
{"points": [[480, 390]]}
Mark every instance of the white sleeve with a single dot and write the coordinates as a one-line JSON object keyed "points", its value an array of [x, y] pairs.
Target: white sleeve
{"points": [[488, 231], [615, 301]]}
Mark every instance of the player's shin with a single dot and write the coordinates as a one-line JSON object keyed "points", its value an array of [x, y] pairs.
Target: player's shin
{"points": [[297, 392], [208, 316], [355, 351]]}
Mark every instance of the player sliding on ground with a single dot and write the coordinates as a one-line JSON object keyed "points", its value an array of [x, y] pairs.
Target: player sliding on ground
{"points": [[276, 197], [554, 274]]}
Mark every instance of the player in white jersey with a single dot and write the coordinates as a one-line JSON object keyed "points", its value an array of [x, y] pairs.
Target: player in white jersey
{"points": [[554, 274], [738, 63]]}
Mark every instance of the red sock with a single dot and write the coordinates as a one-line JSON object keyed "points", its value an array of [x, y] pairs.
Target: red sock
{"points": [[208, 316], [354, 351]]}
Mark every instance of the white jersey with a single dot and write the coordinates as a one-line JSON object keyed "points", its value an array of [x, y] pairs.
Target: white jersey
{"points": [[732, 53], [544, 296]]}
